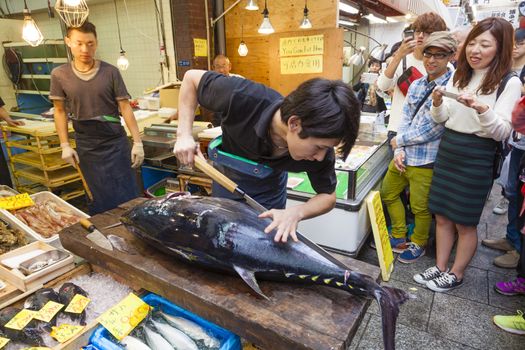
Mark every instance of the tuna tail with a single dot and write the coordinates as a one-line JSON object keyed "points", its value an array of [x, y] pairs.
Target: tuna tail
{"points": [[389, 300]]}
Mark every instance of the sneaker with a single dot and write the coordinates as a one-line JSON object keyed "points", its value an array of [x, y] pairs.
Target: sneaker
{"points": [[447, 281], [398, 244], [512, 324], [412, 253], [502, 207], [499, 244], [508, 260], [428, 275], [511, 288]]}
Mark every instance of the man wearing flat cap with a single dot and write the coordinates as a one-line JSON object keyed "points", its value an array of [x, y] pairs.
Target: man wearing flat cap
{"points": [[415, 148]]}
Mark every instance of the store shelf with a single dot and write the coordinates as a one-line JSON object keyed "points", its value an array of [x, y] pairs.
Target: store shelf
{"points": [[36, 76], [32, 92], [24, 43], [54, 178], [27, 115], [45, 59], [48, 162]]}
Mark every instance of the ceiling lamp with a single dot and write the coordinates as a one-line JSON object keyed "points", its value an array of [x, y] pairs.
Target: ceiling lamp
{"points": [[305, 23], [252, 5], [122, 61], [243, 49], [348, 8], [266, 27], [73, 12], [30, 32], [358, 58]]}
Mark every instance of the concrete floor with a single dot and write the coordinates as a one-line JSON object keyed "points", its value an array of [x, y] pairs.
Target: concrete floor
{"points": [[460, 319]]}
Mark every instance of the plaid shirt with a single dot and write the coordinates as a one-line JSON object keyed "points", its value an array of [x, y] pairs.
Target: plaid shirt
{"points": [[419, 137]]}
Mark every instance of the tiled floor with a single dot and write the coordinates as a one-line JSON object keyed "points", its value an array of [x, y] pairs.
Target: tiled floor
{"points": [[460, 319]]}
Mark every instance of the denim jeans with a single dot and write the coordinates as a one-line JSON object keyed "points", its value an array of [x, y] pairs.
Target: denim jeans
{"points": [[511, 193]]}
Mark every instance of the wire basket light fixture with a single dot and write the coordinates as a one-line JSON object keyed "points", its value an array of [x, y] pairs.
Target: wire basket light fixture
{"points": [[73, 12]]}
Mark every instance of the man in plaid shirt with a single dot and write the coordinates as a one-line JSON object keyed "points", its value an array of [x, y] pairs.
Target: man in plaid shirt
{"points": [[415, 148]]}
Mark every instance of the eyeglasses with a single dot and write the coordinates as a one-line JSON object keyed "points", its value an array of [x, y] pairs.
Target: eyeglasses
{"points": [[437, 55]]}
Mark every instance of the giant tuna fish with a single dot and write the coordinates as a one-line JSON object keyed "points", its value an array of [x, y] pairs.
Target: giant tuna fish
{"points": [[218, 233]]}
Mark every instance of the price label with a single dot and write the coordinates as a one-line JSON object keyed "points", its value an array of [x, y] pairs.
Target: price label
{"points": [[77, 304], [21, 319], [49, 311], [3, 342], [16, 202], [37, 348], [123, 317], [64, 332]]}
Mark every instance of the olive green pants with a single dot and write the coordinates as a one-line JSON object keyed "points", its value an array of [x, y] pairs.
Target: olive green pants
{"points": [[418, 180]]}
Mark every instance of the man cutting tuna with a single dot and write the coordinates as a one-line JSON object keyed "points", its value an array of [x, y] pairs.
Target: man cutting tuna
{"points": [[268, 135]]}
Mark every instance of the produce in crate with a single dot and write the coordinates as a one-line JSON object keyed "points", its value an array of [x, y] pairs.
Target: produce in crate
{"points": [[10, 238], [47, 217], [228, 236]]}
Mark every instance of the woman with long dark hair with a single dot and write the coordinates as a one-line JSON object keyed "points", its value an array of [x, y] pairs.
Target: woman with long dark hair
{"points": [[476, 119]]}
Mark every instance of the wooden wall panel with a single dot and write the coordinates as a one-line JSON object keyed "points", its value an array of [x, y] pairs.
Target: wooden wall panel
{"points": [[332, 59], [256, 65]]}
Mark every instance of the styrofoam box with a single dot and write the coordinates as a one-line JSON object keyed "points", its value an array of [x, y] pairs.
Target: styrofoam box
{"points": [[39, 197]]}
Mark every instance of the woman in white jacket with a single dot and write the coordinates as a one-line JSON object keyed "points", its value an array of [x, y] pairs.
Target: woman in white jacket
{"points": [[475, 121]]}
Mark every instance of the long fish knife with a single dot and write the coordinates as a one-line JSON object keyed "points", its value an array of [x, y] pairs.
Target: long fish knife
{"points": [[231, 186], [95, 235]]}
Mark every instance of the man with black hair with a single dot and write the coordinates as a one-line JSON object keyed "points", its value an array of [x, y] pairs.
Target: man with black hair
{"points": [[295, 133], [95, 96]]}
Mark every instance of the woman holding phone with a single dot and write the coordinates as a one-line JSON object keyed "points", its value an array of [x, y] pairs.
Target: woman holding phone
{"points": [[475, 121]]}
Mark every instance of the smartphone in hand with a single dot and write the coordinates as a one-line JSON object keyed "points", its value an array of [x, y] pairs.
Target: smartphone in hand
{"points": [[408, 34]]}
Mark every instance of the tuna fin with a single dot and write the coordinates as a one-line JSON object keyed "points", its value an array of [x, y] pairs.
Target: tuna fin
{"points": [[389, 300], [249, 278]]}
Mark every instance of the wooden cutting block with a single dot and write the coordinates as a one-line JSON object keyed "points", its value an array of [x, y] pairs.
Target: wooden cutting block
{"points": [[296, 316]]}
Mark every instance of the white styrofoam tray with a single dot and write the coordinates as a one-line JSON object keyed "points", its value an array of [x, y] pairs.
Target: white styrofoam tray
{"points": [[39, 197]]}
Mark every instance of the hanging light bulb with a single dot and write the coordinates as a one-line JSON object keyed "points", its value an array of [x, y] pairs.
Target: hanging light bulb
{"points": [[252, 5], [73, 12], [30, 32], [243, 49], [266, 27], [305, 23], [122, 62]]}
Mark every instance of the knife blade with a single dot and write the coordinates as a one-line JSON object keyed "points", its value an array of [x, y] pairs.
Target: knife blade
{"points": [[231, 186], [95, 235]]}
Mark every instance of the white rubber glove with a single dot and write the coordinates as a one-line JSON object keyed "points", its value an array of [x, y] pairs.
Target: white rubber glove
{"points": [[69, 154], [137, 154]]}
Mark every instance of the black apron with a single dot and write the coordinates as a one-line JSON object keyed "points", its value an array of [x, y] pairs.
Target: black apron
{"points": [[105, 160]]}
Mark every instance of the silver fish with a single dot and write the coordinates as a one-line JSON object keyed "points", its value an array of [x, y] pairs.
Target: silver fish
{"points": [[156, 341], [178, 339], [133, 343], [192, 329]]}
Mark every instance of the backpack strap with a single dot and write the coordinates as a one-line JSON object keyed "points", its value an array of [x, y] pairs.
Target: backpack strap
{"points": [[404, 63], [504, 82]]}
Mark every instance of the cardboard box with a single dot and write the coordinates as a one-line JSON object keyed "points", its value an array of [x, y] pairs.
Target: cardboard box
{"points": [[169, 96]]}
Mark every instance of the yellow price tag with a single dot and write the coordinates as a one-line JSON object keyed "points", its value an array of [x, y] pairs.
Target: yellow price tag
{"points": [[21, 319], [37, 348], [48, 311], [77, 304], [123, 317], [16, 202], [3, 341], [64, 332]]}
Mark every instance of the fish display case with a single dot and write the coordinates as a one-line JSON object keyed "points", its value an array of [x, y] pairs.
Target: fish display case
{"points": [[345, 228]]}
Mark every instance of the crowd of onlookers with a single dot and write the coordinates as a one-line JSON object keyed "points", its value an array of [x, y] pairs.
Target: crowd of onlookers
{"points": [[455, 117]]}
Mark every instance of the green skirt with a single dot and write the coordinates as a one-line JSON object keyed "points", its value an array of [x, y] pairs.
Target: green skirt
{"points": [[462, 177]]}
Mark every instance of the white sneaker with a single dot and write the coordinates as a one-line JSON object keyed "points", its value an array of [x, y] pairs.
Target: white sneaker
{"points": [[502, 207]]}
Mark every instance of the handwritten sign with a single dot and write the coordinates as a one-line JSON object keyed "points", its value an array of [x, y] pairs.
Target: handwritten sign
{"points": [[21, 319], [3, 342], [64, 332], [200, 47], [301, 45], [123, 317], [302, 65], [16, 202], [77, 304], [381, 239], [49, 311]]}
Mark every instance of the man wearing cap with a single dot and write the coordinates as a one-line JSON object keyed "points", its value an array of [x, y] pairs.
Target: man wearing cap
{"points": [[415, 148]]}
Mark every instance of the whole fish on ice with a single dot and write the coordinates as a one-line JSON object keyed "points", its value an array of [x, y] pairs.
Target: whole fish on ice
{"points": [[218, 233]]}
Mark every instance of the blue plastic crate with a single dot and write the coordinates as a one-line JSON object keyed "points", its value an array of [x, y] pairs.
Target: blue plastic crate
{"points": [[103, 340]]}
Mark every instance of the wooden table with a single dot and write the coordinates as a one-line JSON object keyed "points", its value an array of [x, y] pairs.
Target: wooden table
{"points": [[295, 317]]}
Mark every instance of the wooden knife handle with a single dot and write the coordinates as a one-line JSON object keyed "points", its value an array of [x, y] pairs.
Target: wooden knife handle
{"points": [[87, 224], [215, 174]]}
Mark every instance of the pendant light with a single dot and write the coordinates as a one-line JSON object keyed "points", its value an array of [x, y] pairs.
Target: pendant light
{"points": [[252, 5], [266, 27], [30, 32], [73, 12], [243, 49], [305, 23], [122, 61]]}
